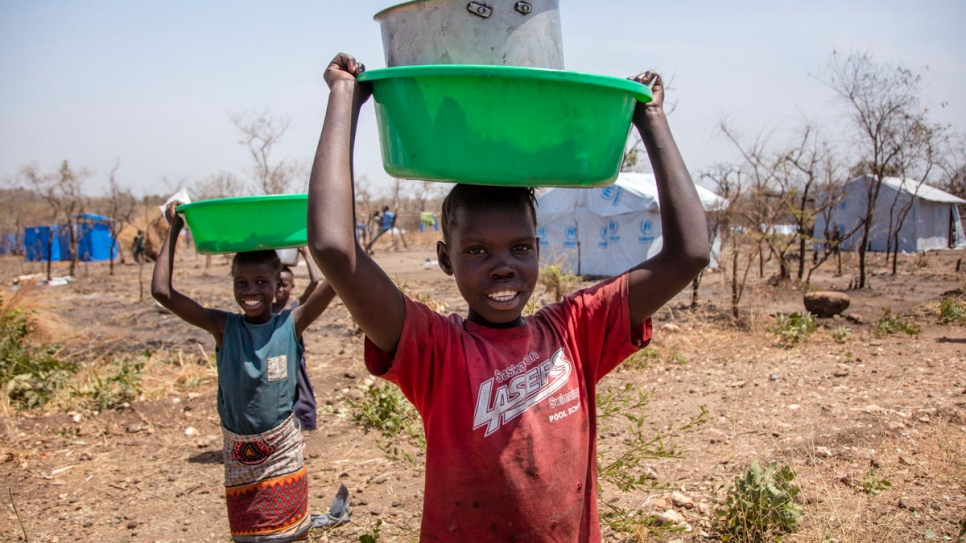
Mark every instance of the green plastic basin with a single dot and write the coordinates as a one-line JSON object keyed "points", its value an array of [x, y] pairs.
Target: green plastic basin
{"points": [[503, 125], [247, 223]]}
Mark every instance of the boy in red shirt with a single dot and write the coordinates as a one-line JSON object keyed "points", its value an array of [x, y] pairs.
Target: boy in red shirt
{"points": [[507, 401]]}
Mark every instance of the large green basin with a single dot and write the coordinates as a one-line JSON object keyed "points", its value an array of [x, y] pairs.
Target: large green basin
{"points": [[247, 223], [503, 125]]}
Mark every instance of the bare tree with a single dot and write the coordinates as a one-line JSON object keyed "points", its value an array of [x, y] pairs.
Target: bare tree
{"points": [[219, 185], [885, 111], [121, 209], [63, 192], [741, 241], [769, 197], [260, 134], [953, 168]]}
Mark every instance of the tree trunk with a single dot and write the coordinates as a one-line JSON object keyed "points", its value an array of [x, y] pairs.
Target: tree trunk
{"points": [[734, 281]]}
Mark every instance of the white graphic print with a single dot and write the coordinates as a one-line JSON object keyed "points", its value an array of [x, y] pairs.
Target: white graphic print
{"points": [[277, 367], [523, 391]]}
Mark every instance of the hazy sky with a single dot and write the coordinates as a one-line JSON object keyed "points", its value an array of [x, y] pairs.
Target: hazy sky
{"points": [[152, 84]]}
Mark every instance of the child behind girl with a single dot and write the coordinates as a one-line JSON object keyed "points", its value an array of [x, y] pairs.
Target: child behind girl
{"points": [[258, 354], [305, 406]]}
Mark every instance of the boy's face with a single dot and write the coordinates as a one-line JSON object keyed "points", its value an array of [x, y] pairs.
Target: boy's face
{"points": [[493, 254], [285, 285], [255, 286]]}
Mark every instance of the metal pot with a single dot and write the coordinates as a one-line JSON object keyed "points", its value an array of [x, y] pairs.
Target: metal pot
{"points": [[501, 32]]}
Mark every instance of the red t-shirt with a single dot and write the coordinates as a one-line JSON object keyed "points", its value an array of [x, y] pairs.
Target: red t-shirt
{"points": [[509, 414]]}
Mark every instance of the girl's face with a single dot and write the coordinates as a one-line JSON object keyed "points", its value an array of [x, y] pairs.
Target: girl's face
{"points": [[493, 254], [255, 286]]}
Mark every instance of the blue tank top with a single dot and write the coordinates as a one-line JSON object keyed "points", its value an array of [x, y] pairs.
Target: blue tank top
{"points": [[257, 373]]}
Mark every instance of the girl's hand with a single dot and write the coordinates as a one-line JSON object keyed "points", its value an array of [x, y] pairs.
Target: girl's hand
{"points": [[652, 80], [171, 214]]}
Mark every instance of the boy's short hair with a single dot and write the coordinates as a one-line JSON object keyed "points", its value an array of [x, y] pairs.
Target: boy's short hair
{"points": [[267, 256], [477, 196], [286, 269]]}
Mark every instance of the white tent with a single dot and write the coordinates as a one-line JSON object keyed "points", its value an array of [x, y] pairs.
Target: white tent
{"points": [[932, 221], [604, 231]]}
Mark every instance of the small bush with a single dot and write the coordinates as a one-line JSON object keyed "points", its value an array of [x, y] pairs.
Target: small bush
{"points": [[122, 384], [30, 375], [890, 324], [387, 410], [791, 329], [557, 282], [874, 484], [841, 334], [621, 461], [760, 506], [952, 312]]}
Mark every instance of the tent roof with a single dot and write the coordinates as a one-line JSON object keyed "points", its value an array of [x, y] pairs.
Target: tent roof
{"points": [[91, 217], [645, 184], [642, 185], [922, 190]]}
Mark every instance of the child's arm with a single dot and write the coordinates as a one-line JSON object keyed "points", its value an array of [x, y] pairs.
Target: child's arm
{"points": [[374, 301], [312, 307], [685, 250], [189, 310], [313, 276]]}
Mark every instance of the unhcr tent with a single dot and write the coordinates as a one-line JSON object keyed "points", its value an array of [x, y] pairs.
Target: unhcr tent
{"points": [[932, 222], [605, 231]]}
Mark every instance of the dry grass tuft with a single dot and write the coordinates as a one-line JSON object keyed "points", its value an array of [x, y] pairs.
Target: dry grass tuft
{"points": [[45, 325]]}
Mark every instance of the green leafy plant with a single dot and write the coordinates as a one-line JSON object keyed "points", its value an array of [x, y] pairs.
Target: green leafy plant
{"points": [[891, 324], [841, 334], [873, 484], [123, 384], [621, 461], [642, 359], [30, 375], [557, 282], [791, 329], [372, 536], [952, 312], [759, 505], [384, 408]]}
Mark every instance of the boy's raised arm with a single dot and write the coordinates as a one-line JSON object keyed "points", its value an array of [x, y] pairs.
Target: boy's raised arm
{"points": [[685, 250], [369, 294], [189, 310]]}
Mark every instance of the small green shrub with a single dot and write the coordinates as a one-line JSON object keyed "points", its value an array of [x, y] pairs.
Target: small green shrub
{"points": [[621, 458], [372, 536], [384, 408], [952, 312], [122, 384], [759, 506], [891, 324], [841, 334], [642, 359], [791, 329], [874, 484], [30, 375], [557, 282]]}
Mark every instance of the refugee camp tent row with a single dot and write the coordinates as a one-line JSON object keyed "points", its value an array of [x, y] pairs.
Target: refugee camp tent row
{"points": [[933, 220], [93, 240], [604, 231]]}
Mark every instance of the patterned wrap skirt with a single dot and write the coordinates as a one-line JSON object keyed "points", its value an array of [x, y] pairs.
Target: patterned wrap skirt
{"points": [[266, 488]]}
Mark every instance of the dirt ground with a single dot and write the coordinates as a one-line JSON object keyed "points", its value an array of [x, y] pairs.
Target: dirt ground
{"points": [[873, 427]]}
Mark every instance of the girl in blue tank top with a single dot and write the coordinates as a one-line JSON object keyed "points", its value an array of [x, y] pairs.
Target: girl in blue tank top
{"points": [[258, 355]]}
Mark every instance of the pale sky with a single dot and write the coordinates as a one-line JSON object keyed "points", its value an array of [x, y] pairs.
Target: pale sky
{"points": [[152, 84]]}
